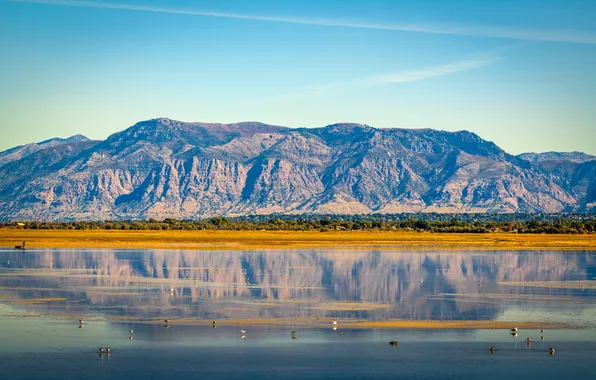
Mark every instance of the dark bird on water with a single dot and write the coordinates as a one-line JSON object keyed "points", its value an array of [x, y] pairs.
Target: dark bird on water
{"points": [[20, 246], [551, 351], [393, 343]]}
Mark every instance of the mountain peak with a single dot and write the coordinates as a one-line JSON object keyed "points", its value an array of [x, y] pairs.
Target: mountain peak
{"points": [[345, 126], [576, 157], [58, 140]]}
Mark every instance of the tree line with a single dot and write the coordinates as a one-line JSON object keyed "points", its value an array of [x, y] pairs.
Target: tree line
{"points": [[462, 223]]}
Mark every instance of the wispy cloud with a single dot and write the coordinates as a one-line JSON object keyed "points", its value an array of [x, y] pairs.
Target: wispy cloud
{"points": [[527, 34], [406, 76]]}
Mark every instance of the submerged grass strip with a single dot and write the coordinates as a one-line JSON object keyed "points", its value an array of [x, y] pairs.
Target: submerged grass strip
{"points": [[215, 240], [36, 301], [305, 322], [390, 324], [581, 284], [478, 325]]}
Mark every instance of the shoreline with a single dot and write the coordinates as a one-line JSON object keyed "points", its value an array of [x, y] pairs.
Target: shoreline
{"points": [[258, 240]]}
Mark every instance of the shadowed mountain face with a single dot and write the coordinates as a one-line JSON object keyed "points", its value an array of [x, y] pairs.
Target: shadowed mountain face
{"points": [[291, 283], [164, 168]]}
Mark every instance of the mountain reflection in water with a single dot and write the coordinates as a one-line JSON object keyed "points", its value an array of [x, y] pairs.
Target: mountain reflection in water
{"points": [[367, 284]]}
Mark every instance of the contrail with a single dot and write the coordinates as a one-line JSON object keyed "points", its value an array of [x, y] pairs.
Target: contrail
{"points": [[526, 34], [405, 76]]}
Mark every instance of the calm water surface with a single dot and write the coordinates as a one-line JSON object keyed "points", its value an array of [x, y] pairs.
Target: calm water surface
{"points": [[44, 292]]}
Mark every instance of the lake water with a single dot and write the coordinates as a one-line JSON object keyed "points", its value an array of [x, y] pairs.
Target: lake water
{"points": [[43, 293]]}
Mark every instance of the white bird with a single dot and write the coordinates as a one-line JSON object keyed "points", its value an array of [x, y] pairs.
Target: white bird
{"points": [[335, 322], [130, 331], [514, 329], [242, 332], [81, 322]]}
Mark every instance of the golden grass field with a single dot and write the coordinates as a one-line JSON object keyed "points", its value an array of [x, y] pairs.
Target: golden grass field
{"points": [[290, 239]]}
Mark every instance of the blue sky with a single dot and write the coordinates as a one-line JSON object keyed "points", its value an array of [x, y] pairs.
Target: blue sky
{"points": [[519, 73]]}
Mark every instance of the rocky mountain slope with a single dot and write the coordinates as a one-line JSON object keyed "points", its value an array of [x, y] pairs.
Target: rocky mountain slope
{"points": [[573, 171], [165, 168]]}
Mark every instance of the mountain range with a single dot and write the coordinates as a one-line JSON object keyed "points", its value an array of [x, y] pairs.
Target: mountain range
{"points": [[165, 168]]}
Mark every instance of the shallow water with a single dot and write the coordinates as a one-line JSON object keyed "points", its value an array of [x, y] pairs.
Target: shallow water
{"points": [[44, 292]]}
